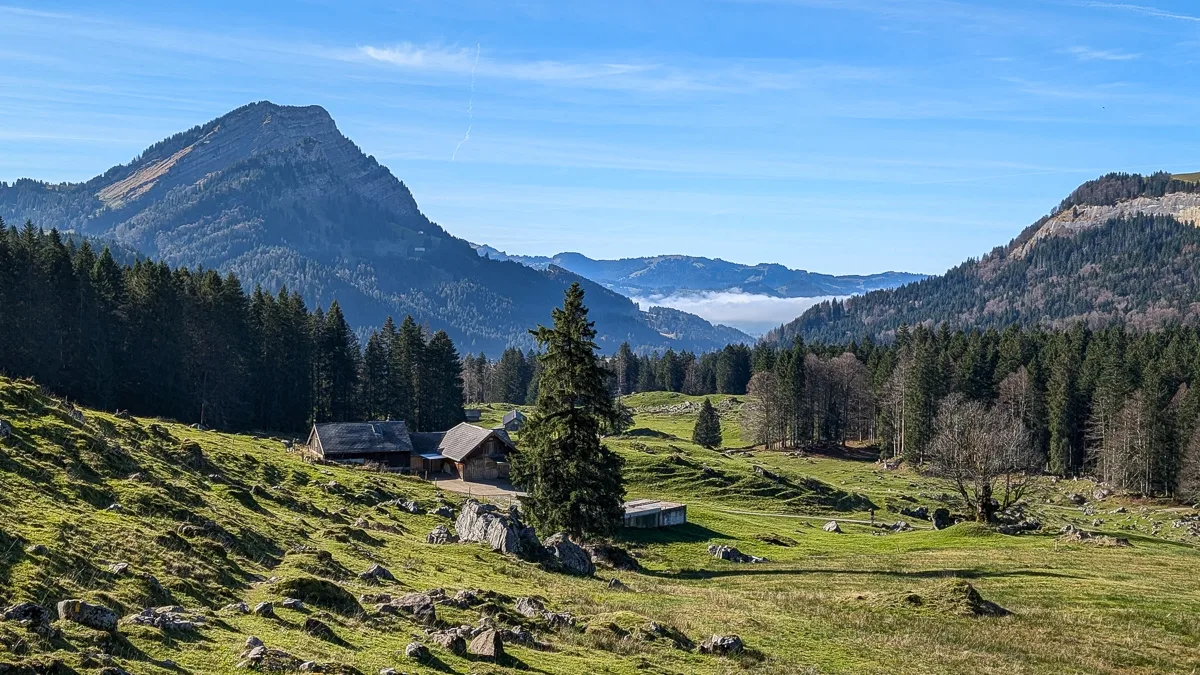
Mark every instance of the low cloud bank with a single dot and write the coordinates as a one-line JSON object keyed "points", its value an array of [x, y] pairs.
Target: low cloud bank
{"points": [[752, 313]]}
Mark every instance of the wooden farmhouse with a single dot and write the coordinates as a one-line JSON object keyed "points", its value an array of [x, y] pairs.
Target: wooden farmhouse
{"points": [[467, 451]]}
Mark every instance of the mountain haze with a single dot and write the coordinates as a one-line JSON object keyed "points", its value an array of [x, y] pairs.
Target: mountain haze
{"points": [[666, 275], [1124, 248], [278, 196]]}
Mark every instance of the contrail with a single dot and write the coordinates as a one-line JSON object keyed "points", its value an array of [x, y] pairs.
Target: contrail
{"points": [[470, 108]]}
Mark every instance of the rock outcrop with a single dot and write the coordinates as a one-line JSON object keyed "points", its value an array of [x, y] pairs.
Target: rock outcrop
{"points": [[566, 556], [503, 532]]}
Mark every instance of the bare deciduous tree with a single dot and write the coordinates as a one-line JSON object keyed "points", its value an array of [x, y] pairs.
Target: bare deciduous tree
{"points": [[984, 451], [763, 418]]}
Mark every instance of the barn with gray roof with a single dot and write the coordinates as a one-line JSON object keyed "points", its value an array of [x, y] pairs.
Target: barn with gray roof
{"points": [[472, 453]]}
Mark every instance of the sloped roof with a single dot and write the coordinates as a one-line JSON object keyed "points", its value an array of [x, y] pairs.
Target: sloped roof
{"points": [[426, 442], [347, 438], [457, 443], [462, 439], [513, 415]]}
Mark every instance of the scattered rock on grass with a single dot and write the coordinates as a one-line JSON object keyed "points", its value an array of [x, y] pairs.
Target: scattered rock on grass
{"points": [[832, 526], [722, 645], [1070, 533], [529, 607], [441, 535], [487, 645], [419, 605], [170, 618], [617, 585], [87, 614], [294, 604], [612, 557], [377, 573], [451, 641], [732, 554], [265, 609], [567, 556], [417, 651]]}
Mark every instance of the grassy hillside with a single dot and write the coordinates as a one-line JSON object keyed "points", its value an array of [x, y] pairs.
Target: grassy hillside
{"points": [[208, 519]]}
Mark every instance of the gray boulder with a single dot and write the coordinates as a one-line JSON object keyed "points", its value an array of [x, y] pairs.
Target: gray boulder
{"points": [[487, 645], [6, 429], [451, 641], [529, 607], [732, 554], [417, 651], [503, 532], [294, 604], [614, 557], [441, 535], [419, 605], [86, 614], [171, 618], [28, 613], [722, 645], [444, 511], [567, 556], [265, 609], [832, 526], [377, 573]]}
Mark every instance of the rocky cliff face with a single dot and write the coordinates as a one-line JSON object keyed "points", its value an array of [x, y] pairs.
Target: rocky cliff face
{"points": [[1183, 206]]}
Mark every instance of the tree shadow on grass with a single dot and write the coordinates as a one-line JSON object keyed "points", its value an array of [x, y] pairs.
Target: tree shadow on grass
{"points": [[915, 574], [686, 533]]}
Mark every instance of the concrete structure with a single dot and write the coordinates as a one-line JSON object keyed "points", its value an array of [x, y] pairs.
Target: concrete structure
{"points": [[644, 513]]}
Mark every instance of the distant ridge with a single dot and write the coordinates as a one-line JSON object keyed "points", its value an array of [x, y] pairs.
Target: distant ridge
{"points": [[1123, 248], [679, 274]]}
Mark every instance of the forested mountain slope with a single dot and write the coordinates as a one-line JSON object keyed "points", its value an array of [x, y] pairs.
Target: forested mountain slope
{"points": [[1120, 249], [671, 274], [278, 196]]}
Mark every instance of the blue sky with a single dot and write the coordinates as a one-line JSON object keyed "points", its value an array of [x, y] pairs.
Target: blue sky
{"points": [[837, 136]]}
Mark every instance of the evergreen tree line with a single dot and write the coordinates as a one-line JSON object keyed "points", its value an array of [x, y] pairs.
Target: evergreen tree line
{"points": [[512, 378], [1118, 404], [192, 345]]}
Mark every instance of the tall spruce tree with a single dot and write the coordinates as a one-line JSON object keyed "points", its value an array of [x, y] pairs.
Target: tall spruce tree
{"points": [[573, 480], [707, 432], [442, 399]]}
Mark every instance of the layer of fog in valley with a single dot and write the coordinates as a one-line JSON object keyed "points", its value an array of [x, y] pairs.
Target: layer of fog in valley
{"points": [[753, 313]]}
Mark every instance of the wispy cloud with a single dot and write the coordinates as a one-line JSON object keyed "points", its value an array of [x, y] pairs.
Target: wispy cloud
{"points": [[726, 75], [1089, 54], [1144, 9]]}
